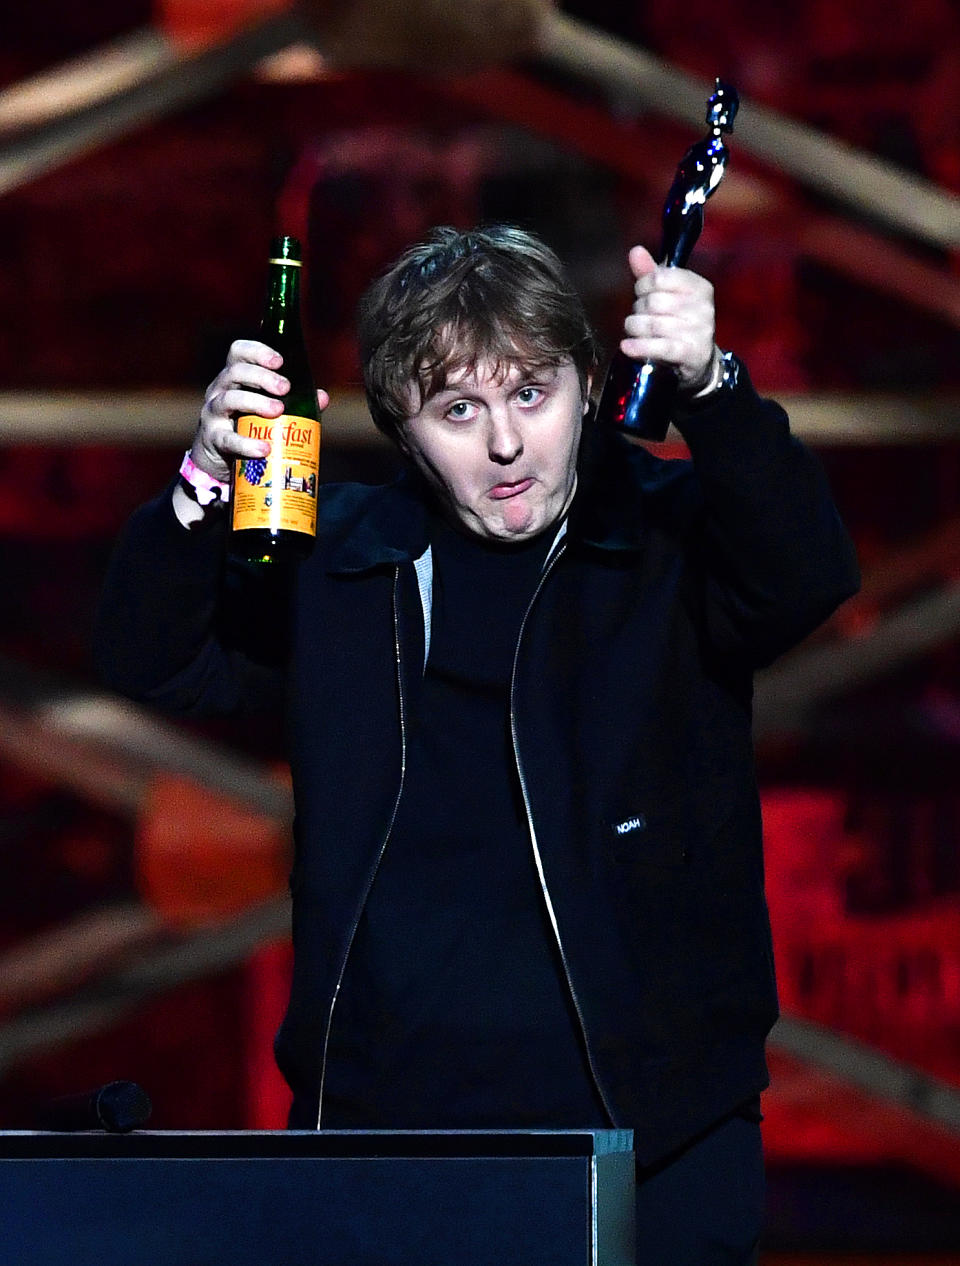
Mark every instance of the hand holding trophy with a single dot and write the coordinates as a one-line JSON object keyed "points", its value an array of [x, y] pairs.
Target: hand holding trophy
{"points": [[638, 397]]}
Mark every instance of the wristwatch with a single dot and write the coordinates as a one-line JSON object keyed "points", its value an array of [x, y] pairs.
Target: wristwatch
{"points": [[726, 373]]}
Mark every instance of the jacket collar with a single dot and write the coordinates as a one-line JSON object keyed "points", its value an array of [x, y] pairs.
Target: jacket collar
{"points": [[619, 483], [606, 512], [391, 528]]}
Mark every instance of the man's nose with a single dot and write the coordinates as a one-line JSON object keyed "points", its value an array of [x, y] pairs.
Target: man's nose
{"points": [[504, 437]]}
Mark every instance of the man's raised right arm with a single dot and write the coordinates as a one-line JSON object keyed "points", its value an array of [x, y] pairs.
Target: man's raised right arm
{"points": [[160, 635]]}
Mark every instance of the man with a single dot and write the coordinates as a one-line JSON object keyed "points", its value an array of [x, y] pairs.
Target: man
{"points": [[528, 885]]}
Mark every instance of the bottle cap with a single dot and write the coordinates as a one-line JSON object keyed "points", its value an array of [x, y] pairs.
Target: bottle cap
{"points": [[286, 250]]}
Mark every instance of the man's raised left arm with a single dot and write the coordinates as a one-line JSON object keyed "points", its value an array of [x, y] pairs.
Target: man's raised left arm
{"points": [[776, 559]]}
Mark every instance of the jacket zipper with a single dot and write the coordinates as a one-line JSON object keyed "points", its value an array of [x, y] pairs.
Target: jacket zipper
{"points": [[383, 846], [533, 838]]}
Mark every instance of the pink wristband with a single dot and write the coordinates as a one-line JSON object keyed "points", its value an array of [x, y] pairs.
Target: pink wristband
{"points": [[205, 488]]}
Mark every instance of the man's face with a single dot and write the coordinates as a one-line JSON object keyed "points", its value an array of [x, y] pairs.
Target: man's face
{"points": [[500, 450]]}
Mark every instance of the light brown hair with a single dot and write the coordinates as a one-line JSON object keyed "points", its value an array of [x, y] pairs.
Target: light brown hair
{"points": [[497, 295]]}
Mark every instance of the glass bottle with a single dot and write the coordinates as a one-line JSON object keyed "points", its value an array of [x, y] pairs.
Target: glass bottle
{"points": [[274, 498]]}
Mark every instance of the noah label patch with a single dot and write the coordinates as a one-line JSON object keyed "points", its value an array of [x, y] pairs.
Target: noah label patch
{"points": [[630, 824]]}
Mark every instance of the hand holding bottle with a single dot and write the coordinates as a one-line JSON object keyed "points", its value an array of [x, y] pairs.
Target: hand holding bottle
{"points": [[672, 321], [251, 382], [258, 439]]}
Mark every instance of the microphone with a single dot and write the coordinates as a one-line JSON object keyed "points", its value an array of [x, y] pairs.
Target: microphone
{"points": [[118, 1107]]}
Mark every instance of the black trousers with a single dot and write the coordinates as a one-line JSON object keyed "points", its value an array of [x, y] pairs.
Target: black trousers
{"points": [[704, 1206]]}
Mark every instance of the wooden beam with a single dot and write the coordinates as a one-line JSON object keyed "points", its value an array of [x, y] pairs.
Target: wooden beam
{"points": [[146, 418], [869, 1069], [109, 750], [795, 685], [150, 80], [154, 417], [866, 183], [157, 80], [116, 994], [624, 146]]}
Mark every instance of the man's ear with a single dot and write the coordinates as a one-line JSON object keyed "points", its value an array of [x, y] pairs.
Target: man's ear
{"points": [[586, 394]]}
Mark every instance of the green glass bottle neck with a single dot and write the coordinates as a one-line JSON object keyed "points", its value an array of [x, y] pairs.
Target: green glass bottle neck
{"points": [[282, 311]]}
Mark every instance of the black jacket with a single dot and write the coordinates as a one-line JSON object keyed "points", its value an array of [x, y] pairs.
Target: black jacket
{"points": [[631, 727]]}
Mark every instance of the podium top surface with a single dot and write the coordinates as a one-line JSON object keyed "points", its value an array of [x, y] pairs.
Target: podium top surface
{"points": [[289, 1144]]}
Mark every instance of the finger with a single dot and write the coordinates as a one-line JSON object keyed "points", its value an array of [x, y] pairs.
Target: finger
{"points": [[252, 350], [674, 281], [663, 303], [641, 261], [222, 443], [323, 400], [225, 405], [237, 376], [664, 349], [692, 367], [227, 444], [697, 333], [248, 374], [687, 347], [696, 326], [215, 450]]}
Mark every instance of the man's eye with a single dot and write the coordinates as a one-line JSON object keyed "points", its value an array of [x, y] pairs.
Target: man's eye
{"points": [[530, 395], [460, 410]]}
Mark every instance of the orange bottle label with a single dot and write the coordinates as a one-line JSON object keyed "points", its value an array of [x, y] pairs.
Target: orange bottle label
{"points": [[279, 491]]}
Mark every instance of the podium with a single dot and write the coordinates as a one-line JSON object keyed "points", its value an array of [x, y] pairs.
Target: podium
{"points": [[329, 1198]]}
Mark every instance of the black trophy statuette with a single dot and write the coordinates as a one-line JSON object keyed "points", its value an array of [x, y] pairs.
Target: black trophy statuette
{"points": [[638, 398]]}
